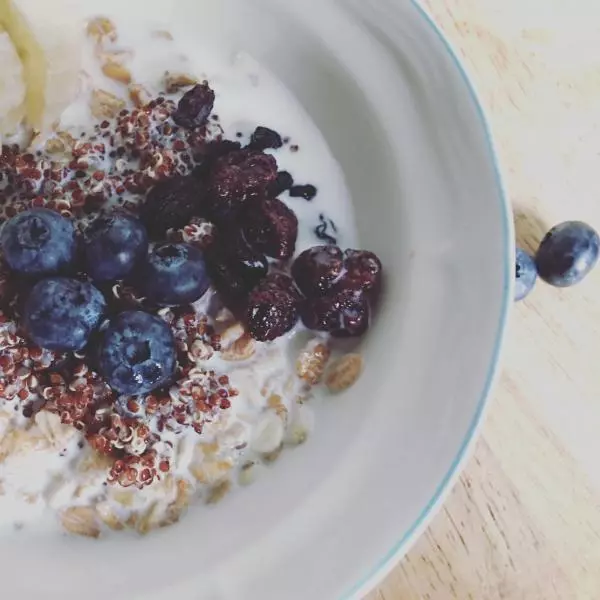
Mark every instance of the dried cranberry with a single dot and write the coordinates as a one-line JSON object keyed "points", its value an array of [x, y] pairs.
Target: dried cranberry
{"points": [[363, 271], [264, 138], [283, 182], [271, 227], [207, 153], [318, 269], [235, 268], [281, 281], [171, 204], [343, 314], [238, 177], [273, 308], [195, 107]]}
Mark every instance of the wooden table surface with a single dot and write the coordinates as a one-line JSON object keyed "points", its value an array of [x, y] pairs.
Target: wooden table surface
{"points": [[524, 520]]}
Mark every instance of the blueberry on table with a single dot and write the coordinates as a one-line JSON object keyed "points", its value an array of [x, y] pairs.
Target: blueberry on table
{"points": [[136, 353], [525, 275], [568, 253], [61, 314], [114, 245], [173, 275], [38, 242]]}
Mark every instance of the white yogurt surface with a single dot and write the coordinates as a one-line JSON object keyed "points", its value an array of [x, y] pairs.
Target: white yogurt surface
{"points": [[50, 469]]}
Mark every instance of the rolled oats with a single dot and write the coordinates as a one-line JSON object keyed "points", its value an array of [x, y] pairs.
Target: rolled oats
{"points": [[310, 366], [116, 71], [105, 105], [108, 516], [242, 349], [275, 402], [210, 472], [177, 81], [219, 492], [124, 498], [139, 95], [162, 34], [344, 373], [53, 429], [81, 520], [147, 522], [271, 457], [268, 433], [102, 29]]}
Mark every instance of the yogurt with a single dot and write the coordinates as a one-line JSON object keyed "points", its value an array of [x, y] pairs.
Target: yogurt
{"points": [[50, 477]]}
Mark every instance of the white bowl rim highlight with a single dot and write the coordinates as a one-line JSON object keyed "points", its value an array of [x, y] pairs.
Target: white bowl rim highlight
{"points": [[377, 573]]}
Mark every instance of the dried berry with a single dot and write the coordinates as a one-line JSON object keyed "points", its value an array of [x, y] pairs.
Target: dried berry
{"points": [[273, 308], [363, 271], [195, 107], [271, 227], [343, 314], [171, 204], [283, 183], [264, 138], [308, 192], [207, 153], [318, 269], [235, 268], [238, 177]]}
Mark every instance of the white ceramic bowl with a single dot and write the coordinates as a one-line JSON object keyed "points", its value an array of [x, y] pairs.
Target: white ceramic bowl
{"points": [[403, 121]]}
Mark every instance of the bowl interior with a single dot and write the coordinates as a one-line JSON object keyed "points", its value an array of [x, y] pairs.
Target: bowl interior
{"points": [[401, 121]]}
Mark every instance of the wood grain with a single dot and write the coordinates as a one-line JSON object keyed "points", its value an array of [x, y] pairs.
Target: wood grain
{"points": [[524, 520]]}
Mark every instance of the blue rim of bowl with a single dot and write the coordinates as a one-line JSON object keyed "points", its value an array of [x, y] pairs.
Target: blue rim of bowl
{"points": [[428, 512]]}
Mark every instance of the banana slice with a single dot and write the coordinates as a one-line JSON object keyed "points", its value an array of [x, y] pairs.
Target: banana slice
{"points": [[12, 87], [48, 37]]}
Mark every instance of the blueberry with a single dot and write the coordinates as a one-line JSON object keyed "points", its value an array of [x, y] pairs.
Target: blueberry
{"points": [[568, 253], [61, 313], [136, 353], [525, 275], [114, 245], [38, 242], [173, 275]]}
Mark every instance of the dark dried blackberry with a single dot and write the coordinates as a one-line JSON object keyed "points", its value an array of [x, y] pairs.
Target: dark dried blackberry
{"points": [[318, 269], [207, 153], [363, 271], [273, 308], [308, 192], [283, 183], [171, 204], [264, 138], [343, 314], [235, 268], [271, 227], [237, 178], [195, 107]]}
